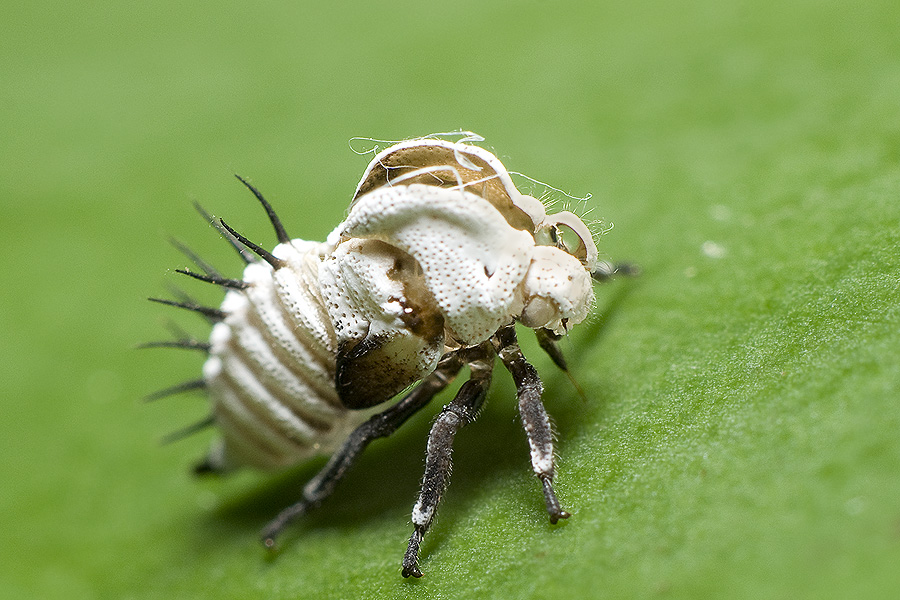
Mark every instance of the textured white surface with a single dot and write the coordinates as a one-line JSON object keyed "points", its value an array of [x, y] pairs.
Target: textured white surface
{"points": [[473, 261]]}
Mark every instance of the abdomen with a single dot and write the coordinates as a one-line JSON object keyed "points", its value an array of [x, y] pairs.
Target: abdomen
{"points": [[270, 373]]}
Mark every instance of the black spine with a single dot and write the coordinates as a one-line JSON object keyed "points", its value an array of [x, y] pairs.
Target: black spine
{"points": [[264, 254], [280, 233]]}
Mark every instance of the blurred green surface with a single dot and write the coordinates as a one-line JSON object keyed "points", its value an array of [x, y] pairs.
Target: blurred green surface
{"points": [[740, 438]]}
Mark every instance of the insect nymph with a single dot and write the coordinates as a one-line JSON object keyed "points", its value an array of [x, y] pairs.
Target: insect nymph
{"points": [[438, 259]]}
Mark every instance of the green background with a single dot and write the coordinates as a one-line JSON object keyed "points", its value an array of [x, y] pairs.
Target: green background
{"points": [[740, 437]]}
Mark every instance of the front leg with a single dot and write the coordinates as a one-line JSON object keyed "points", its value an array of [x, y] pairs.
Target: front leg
{"points": [[534, 416], [460, 412]]}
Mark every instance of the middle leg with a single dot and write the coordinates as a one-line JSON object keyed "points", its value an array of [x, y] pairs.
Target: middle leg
{"points": [[460, 412]]}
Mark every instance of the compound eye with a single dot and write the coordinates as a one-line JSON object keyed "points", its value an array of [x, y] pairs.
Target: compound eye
{"points": [[571, 235], [569, 241]]}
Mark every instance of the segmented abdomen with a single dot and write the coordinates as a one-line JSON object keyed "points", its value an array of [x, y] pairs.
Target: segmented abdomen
{"points": [[270, 372]]}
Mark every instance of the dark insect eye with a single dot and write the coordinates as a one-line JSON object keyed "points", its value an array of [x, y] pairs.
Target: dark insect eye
{"points": [[568, 240]]}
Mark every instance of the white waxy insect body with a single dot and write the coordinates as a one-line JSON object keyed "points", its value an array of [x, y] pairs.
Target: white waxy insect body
{"points": [[439, 256]]}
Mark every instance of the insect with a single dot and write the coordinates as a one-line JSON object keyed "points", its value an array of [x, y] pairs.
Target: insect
{"points": [[439, 257]]}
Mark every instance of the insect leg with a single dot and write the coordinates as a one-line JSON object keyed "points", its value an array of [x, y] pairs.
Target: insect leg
{"points": [[605, 271], [381, 425], [461, 411], [547, 340], [534, 416]]}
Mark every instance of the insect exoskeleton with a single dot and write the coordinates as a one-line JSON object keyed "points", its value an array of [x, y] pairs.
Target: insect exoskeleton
{"points": [[439, 257]]}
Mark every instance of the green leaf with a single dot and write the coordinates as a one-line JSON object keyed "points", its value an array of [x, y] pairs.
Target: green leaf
{"points": [[740, 434]]}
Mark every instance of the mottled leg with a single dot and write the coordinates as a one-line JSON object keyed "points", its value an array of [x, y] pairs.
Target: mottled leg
{"points": [[460, 412], [534, 416], [381, 425]]}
